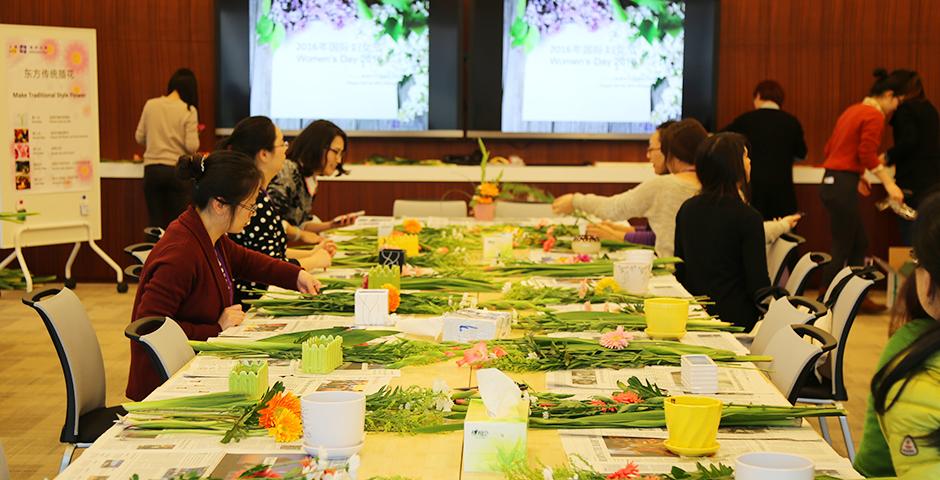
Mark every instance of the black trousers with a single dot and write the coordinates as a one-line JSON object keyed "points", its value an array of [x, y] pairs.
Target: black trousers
{"points": [[839, 193], [166, 195]]}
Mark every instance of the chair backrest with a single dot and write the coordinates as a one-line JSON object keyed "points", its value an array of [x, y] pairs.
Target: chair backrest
{"points": [[164, 341], [154, 233], [132, 272], [523, 210], [429, 208], [79, 353], [139, 251], [780, 315], [835, 284], [780, 254], [808, 263], [844, 307], [794, 359]]}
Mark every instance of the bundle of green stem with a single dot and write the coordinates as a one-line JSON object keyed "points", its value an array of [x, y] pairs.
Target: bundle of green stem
{"points": [[609, 245], [524, 296], [296, 304], [13, 279], [454, 261], [16, 217], [358, 347], [515, 468], [537, 353], [232, 415], [597, 268], [448, 284], [605, 321], [636, 404]]}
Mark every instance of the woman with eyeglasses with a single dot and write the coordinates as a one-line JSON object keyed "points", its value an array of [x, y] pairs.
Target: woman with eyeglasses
{"points": [[317, 151], [902, 426], [189, 275], [658, 199], [259, 138]]}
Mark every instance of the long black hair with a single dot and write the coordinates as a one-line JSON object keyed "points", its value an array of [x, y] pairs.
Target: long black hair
{"points": [[309, 149], [227, 175], [906, 364], [898, 81], [184, 82], [250, 136], [719, 164]]}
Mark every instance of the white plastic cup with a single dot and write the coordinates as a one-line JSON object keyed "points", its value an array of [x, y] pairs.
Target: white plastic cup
{"points": [[633, 273], [333, 420], [773, 466]]}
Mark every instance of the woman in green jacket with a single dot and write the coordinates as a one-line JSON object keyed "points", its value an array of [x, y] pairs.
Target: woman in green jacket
{"points": [[906, 389]]}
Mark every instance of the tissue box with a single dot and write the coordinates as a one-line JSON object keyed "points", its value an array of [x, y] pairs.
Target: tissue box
{"points": [[485, 438], [372, 307], [473, 325]]}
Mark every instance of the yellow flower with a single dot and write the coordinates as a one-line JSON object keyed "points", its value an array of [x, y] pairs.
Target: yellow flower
{"points": [[483, 200], [287, 426], [394, 298], [605, 286], [412, 225], [489, 189]]}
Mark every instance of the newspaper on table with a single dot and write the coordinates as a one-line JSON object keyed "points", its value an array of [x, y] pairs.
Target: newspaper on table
{"points": [[609, 453], [258, 326], [716, 340], [735, 385]]}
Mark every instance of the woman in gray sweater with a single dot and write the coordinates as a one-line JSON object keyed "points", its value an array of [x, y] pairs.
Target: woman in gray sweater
{"points": [[657, 199]]}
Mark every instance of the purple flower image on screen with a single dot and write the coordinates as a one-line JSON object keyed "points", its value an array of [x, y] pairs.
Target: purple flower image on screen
{"points": [[294, 14], [550, 15]]}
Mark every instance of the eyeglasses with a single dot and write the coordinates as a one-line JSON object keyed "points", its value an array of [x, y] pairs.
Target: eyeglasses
{"points": [[339, 153], [253, 207], [284, 144]]}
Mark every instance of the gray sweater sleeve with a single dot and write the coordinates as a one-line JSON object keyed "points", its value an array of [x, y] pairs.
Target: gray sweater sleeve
{"points": [[623, 206]]}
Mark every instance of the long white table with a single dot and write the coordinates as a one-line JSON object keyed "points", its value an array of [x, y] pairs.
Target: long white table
{"points": [[120, 453]]}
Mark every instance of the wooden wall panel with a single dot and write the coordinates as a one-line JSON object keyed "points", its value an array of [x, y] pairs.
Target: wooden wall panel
{"points": [[821, 51]]}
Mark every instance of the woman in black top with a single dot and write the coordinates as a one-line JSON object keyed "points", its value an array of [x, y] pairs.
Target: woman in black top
{"points": [[721, 238], [260, 139], [776, 141], [916, 150]]}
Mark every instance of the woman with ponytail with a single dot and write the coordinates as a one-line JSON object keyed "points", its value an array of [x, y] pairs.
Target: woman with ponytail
{"points": [[189, 276], [259, 138], [851, 150], [902, 426]]}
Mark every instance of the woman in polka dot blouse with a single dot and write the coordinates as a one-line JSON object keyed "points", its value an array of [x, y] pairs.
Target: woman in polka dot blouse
{"points": [[259, 138]]}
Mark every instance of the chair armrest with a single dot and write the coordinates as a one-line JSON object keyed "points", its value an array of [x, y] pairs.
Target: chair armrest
{"points": [[816, 308], [829, 342]]}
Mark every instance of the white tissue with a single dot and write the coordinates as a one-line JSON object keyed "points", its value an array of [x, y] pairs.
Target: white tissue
{"points": [[500, 394], [420, 326]]}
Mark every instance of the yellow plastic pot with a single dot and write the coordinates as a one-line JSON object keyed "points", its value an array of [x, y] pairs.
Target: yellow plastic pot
{"points": [[692, 423]]}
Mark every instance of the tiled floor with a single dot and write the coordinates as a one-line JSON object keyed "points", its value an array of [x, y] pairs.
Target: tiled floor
{"points": [[32, 390]]}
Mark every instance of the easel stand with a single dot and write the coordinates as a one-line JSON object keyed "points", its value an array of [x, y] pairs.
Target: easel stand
{"points": [[69, 281]]}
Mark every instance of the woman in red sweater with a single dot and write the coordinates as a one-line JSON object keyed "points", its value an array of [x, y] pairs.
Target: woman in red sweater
{"points": [[852, 149], [189, 274]]}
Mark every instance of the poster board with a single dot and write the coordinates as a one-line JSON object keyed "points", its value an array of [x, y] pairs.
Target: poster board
{"points": [[49, 124]]}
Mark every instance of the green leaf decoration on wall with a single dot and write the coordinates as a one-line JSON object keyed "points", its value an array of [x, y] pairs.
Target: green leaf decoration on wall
{"points": [[657, 6], [620, 14]]}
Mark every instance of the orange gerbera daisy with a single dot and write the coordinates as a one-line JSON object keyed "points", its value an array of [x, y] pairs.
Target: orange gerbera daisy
{"points": [[394, 298], [286, 400], [287, 426], [412, 225], [489, 189]]}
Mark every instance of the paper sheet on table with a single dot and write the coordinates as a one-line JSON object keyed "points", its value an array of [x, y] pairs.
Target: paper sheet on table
{"points": [[610, 453], [258, 326], [420, 326], [695, 311], [735, 385], [211, 366], [795, 433]]}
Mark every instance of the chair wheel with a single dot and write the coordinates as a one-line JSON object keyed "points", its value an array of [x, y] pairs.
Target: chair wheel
{"points": [[70, 283], [122, 287]]}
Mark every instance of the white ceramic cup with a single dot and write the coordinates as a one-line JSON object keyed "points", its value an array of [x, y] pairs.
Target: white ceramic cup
{"points": [[773, 466], [633, 277], [333, 419], [640, 255]]}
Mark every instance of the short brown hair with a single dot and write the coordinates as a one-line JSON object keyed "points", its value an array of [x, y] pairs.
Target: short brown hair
{"points": [[682, 138], [769, 90]]}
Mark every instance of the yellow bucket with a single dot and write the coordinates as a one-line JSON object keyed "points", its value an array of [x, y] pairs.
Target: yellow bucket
{"points": [[666, 315], [693, 421]]}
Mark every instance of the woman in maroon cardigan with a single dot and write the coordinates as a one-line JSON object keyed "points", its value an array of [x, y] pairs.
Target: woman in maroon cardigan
{"points": [[190, 272]]}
